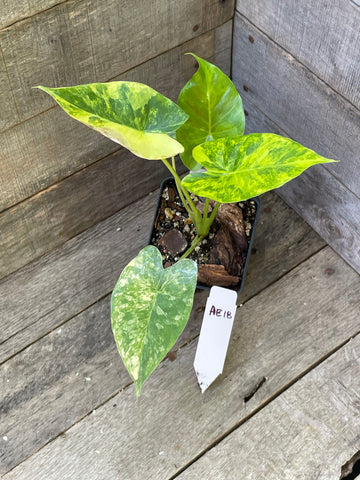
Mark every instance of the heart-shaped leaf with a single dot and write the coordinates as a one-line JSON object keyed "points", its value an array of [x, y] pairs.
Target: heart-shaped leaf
{"points": [[150, 307], [239, 168], [214, 107], [130, 113]]}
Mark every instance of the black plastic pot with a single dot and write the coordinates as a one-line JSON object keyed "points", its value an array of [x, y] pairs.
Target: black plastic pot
{"points": [[170, 182]]}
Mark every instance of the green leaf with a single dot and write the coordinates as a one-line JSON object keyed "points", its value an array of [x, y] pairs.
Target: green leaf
{"points": [[130, 113], [239, 168], [214, 107], [150, 307]]}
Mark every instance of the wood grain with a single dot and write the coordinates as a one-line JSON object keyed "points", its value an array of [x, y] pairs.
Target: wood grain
{"points": [[45, 221], [42, 154], [12, 12], [8, 111], [82, 42], [326, 39], [41, 151], [69, 279], [279, 335], [330, 208], [310, 431], [81, 273], [297, 101]]}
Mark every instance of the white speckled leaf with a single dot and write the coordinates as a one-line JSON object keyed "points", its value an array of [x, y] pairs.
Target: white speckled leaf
{"points": [[150, 307]]}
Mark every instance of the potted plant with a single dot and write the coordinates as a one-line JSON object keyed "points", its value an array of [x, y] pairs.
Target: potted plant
{"points": [[150, 305]]}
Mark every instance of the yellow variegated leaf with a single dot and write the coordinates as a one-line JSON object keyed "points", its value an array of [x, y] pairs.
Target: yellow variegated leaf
{"points": [[130, 113], [238, 168]]}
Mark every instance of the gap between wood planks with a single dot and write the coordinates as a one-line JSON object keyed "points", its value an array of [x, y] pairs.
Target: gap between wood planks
{"points": [[109, 292], [281, 131], [63, 432], [256, 410], [51, 186], [222, 436], [25, 19], [256, 27], [115, 77]]}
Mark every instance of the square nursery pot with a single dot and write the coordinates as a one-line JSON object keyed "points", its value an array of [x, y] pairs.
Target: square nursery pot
{"points": [[222, 257]]}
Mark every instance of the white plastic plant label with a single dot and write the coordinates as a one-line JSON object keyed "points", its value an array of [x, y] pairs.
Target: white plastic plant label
{"points": [[214, 335]]}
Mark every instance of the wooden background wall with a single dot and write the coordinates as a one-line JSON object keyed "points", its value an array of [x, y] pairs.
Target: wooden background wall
{"points": [[297, 66], [57, 176]]}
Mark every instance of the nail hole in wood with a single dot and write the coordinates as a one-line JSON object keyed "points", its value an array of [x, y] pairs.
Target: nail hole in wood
{"points": [[252, 392], [351, 469]]}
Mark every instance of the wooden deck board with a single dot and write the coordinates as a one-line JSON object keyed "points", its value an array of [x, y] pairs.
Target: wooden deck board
{"points": [[310, 432], [279, 334], [77, 277], [66, 281]]}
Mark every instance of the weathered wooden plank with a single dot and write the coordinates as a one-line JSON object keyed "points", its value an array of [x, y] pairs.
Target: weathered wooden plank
{"points": [[297, 101], [45, 221], [67, 280], [325, 38], [8, 111], [278, 335], [330, 208], [12, 12], [82, 42], [65, 367], [310, 431], [41, 151], [91, 195]]}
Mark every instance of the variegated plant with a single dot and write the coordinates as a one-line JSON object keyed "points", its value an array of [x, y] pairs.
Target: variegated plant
{"points": [[150, 305]]}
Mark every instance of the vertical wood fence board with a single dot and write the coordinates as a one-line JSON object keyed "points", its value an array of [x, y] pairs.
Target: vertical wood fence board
{"points": [[272, 337], [311, 431], [82, 42], [329, 207], [297, 101], [324, 36], [40, 151]]}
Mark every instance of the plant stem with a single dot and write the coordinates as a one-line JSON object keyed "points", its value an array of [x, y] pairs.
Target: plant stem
{"points": [[182, 192], [213, 213], [206, 208]]}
